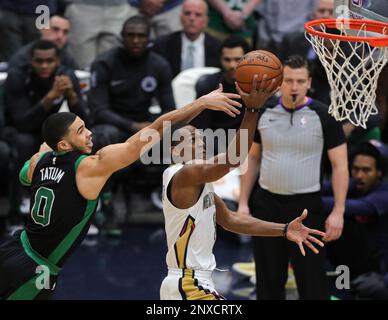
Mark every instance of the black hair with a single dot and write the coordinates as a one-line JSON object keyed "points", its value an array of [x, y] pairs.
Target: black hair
{"points": [[234, 41], [296, 62], [135, 20], [367, 149], [56, 126], [44, 45], [175, 128], [60, 16]]}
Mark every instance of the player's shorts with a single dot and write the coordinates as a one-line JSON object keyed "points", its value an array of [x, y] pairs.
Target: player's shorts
{"points": [[20, 277], [188, 284]]}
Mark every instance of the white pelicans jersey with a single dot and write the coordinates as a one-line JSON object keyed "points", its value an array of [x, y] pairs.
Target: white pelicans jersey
{"points": [[191, 233]]}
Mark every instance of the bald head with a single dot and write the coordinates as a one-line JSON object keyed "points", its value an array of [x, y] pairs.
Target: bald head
{"points": [[324, 9], [194, 18]]}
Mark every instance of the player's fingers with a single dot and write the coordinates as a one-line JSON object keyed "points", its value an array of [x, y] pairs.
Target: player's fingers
{"points": [[309, 244], [317, 232], [233, 95], [233, 109], [227, 111], [255, 83], [233, 102], [273, 86], [300, 244], [329, 235], [315, 240], [261, 85], [303, 215], [239, 90]]}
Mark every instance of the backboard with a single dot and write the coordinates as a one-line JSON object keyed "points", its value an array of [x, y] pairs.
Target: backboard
{"points": [[362, 9]]}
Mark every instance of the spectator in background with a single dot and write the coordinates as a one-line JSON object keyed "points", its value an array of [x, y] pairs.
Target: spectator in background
{"points": [[191, 47], [32, 95], [124, 81], [279, 17], [363, 246], [57, 33], [232, 17], [17, 24], [296, 42], [162, 14], [95, 27], [232, 49]]}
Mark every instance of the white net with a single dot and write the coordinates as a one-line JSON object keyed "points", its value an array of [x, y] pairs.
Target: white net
{"points": [[352, 70]]}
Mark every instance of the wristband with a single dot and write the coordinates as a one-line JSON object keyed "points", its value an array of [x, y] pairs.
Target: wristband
{"points": [[285, 230], [252, 109]]}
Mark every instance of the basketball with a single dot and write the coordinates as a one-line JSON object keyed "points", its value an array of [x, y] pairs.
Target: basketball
{"points": [[258, 62]]}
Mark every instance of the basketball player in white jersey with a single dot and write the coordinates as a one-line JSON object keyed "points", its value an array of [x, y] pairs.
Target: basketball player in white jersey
{"points": [[192, 209]]}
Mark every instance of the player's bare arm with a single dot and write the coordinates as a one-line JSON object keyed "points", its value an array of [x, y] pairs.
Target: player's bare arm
{"points": [[188, 181], [212, 170], [244, 224], [35, 158], [95, 170]]}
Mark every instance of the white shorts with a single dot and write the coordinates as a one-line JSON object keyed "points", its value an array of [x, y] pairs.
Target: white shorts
{"points": [[188, 284]]}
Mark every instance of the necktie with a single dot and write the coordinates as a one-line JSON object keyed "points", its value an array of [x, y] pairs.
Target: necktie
{"points": [[189, 59]]}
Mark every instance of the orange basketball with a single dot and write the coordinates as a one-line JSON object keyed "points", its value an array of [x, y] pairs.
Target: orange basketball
{"points": [[258, 62]]}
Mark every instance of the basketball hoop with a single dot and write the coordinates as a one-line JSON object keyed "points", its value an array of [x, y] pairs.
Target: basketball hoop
{"points": [[353, 53]]}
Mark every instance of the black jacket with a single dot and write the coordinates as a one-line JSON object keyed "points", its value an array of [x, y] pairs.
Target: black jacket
{"points": [[24, 92], [122, 87], [170, 47], [22, 58]]}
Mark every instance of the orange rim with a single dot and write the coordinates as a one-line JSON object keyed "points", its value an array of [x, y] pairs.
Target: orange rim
{"points": [[354, 24]]}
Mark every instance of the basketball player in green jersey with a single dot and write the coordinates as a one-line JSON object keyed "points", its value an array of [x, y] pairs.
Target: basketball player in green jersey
{"points": [[65, 184], [191, 209]]}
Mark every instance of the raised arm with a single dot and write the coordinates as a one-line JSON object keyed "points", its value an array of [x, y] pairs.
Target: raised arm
{"points": [[215, 168], [294, 231], [117, 156]]}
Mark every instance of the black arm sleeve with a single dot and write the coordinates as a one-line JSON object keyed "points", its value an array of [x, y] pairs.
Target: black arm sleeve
{"points": [[99, 99], [25, 117]]}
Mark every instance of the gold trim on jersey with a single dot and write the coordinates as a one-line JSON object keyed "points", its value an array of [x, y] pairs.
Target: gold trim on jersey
{"points": [[190, 290], [182, 243]]}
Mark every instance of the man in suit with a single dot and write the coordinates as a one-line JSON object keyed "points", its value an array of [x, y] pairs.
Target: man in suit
{"points": [[296, 42], [192, 47]]}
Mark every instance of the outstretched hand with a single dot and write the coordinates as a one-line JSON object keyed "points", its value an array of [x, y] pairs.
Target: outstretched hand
{"points": [[300, 234], [222, 101], [260, 92]]}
